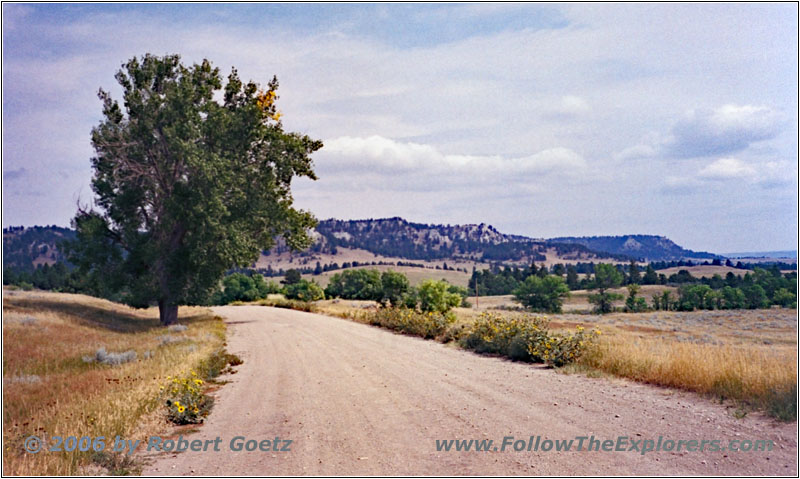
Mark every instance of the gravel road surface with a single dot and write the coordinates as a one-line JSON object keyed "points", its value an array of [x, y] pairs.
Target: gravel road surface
{"points": [[359, 400]]}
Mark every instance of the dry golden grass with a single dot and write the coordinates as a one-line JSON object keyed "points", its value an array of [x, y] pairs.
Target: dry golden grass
{"points": [[50, 391], [703, 271], [749, 356], [578, 300], [745, 373]]}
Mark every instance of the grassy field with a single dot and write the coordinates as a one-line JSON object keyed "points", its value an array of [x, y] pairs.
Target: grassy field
{"points": [[703, 271], [52, 387], [577, 302], [748, 356]]}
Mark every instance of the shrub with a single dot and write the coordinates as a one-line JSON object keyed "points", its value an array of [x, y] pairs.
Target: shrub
{"points": [[186, 403], [782, 404], [525, 338], [185, 399], [241, 287], [424, 324], [561, 349], [542, 294], [356, 284], [435, 297], [281, 302], [112, 359], [305, 290], [393, 287], [492, 333]]}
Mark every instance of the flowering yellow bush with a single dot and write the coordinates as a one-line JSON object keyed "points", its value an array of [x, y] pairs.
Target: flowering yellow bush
{"points": [[425, 324], [525, 338], [561, 349], [186, 403], [494, 334]]}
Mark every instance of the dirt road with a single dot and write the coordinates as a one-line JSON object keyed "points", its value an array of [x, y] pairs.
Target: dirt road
{"points": [[358, 400]]}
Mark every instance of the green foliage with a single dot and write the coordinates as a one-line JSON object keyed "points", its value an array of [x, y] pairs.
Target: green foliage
{"points": [[542, 294], [461, 291], [782, 405], [525, 338], [282, 302], [634, 304], [411, 298], [187, 186], [186, 402], [305, 290], [732, 298], [489, 283], [755, 296], [650, 275], [785, 298], [292, 276], [365, 284], [572, 278], [606, 276], [424, 324], [394, 286], [634, 276], [691, 297], [435, 297], [240, 287]]}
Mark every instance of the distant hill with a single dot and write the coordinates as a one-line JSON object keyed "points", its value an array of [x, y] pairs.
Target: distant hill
{"points": [[395, 241], [396, 237], [790, 254], [26, 248], [641, 247]]}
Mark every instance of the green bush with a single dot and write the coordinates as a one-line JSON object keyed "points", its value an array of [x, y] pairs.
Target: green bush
{"points": [[282, 302], [305, 290], [524, 338], [356, 284], [435, 297], [241, 287], [394, 286], [424, 324], [561, 349], [542, 294]]}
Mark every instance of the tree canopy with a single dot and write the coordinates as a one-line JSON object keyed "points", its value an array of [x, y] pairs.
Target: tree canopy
{"points": [[187, 186], [542, 294]]}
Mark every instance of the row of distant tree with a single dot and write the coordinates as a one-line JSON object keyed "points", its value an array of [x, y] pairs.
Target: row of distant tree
{"points": [[537, 287], [501, 280], [320, 268]]}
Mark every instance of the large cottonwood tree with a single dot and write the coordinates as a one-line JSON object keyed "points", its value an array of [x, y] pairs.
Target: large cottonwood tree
{"points": [[190, 179]]}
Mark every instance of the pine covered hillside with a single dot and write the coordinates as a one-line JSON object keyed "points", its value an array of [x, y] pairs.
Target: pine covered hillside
{"points": [[398, 238], [397, 242], [27, 248], [641, 247]]}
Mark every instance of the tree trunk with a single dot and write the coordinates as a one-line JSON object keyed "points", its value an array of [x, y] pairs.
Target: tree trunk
{"points": [[167, 313]]}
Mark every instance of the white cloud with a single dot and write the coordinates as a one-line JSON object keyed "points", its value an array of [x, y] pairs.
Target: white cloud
{"points": [[636, 152], [727, 129], [376, 154], [727, 168]]}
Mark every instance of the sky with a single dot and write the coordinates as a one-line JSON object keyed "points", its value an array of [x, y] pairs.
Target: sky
{"points": [[542, 120]]}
